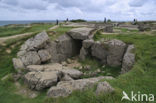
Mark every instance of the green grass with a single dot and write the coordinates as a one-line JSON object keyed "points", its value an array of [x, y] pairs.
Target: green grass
{"points": [[58, 32], [14, 30], [141, 78], [94, 65], [127, 31]]}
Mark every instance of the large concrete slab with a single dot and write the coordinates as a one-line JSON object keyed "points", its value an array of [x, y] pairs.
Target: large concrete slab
{"points": [[81, 33]]}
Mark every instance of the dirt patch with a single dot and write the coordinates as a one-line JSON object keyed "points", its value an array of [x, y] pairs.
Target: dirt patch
{"points": [[4, 39], [8, 50]]}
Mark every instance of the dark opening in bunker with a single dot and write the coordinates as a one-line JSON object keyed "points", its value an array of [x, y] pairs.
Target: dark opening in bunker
{"points": [[78, 46]]}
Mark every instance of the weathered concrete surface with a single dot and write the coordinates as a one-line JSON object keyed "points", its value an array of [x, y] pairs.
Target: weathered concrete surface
{"points": [[65, 88], [100, 51], [18, 64], [46, 67], [44, 55], [64, 47], [41, 80], [35, 43], [104, 88], [31, 58], [73, 73], [83, 54], [116, 49], [128, 59], [29, 54], [81, 33]]}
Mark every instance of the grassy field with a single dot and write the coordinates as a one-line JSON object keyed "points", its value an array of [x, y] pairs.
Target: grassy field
{"points": [[14, 30], [58, 31], [141, 78]]}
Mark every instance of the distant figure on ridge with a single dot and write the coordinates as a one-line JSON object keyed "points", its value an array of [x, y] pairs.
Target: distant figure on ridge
{"points": [[105, 20], [57, 22]]}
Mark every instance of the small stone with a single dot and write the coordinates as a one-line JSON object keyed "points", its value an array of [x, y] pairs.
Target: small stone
{"points": [[69, 61], [98, 70], [80, 67]]}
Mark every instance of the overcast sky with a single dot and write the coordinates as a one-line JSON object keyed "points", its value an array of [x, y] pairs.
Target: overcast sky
{"points": [[75, 9]]}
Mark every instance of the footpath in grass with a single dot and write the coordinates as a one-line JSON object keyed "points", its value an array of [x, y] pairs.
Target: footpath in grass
{"points": [[14, 30]]}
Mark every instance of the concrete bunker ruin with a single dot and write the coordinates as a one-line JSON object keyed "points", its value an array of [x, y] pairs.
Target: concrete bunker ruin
{"points": [[38, 50], [78, 41]]}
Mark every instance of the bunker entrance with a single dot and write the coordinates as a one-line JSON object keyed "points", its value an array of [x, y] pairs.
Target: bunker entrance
{"points": [[78, 46]]}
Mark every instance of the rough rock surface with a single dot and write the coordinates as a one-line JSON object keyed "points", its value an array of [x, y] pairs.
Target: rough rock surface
{"points": [[108, 52], [83, 53], [100, 51], [128, 60], [88, 43], [116, 49], [30, 58], [65, 88], [18, 65], [74, 73], [41, 80], [29, 54], [46, 67], [86, 49], [37, 42], [108, 29], [52, 49], [81, 33], [64, 47], [104, 88], [66, 77], [38, 50], [44, 55]]}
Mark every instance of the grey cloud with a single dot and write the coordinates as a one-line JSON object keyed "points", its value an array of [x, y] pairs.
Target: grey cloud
{"points": [[27, 4], [69, 3], [84, 5], [87, 9], [10, 2], [137, 3]]}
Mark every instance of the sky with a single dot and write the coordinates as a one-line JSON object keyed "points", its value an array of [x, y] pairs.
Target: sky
{"points": [[117, 10]]}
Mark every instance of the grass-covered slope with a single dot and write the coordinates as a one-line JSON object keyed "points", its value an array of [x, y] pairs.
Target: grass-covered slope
{"points": [[14, 30], [141, 78]]}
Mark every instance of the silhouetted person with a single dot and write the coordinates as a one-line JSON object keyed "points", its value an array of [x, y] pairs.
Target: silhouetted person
{"points": [[105, 20], [134, 21], [57, 22]]}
